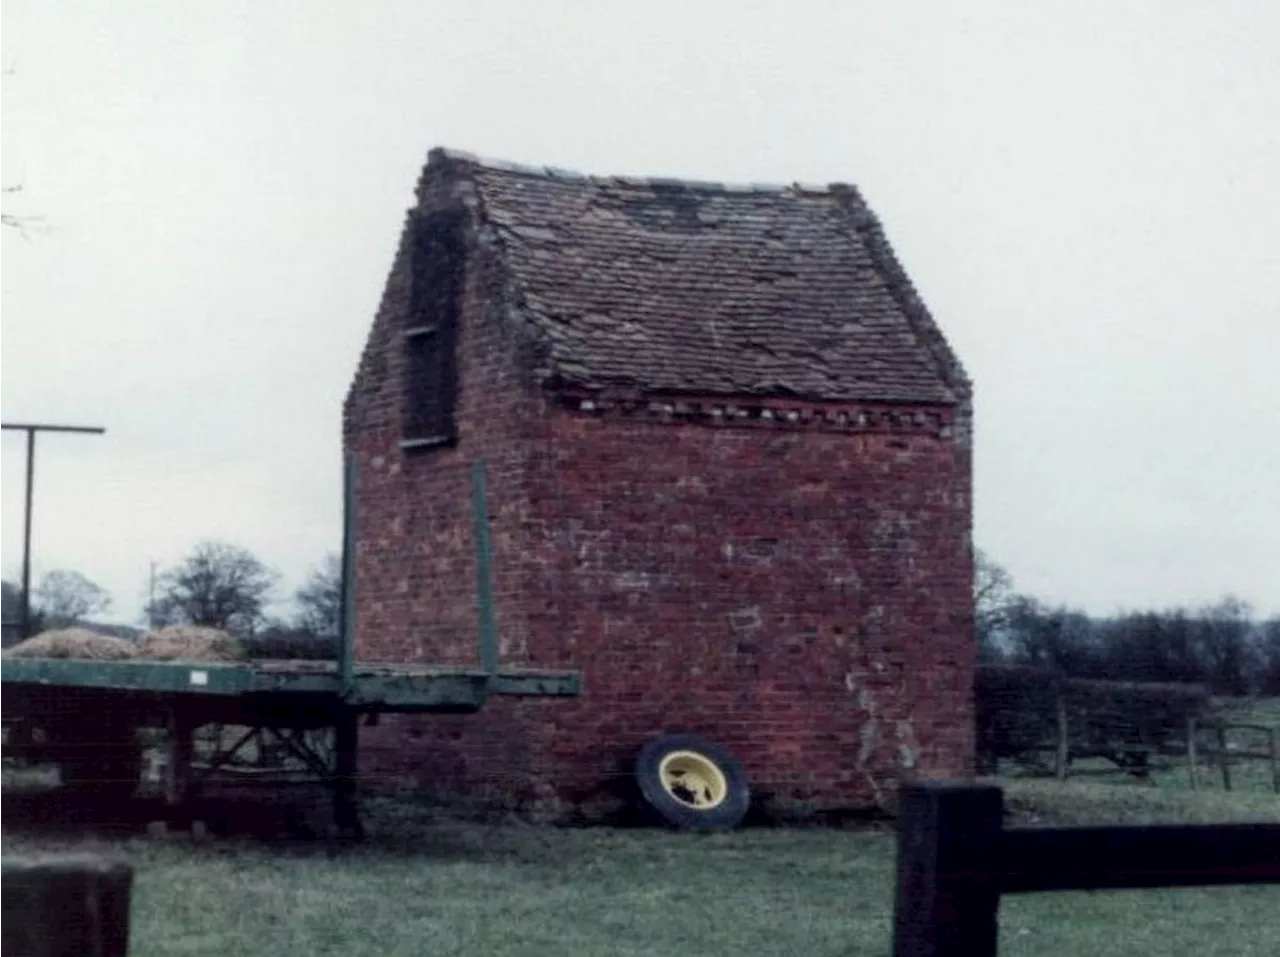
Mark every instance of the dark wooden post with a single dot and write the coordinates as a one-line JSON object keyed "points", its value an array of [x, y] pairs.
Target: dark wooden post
{"points": [[1191, 752], [346, 740], [1275, 760], [1064, 738], [57, 906], [179, 747], [1226, 759], [948, 878]]}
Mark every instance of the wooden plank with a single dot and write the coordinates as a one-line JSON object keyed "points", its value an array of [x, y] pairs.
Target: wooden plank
{"points": [[559, 684], [1089, 858], [1238, 755], [389, 690], [67, 904], [384, 686], [947, 896], [1049, 676], [152, 676]]}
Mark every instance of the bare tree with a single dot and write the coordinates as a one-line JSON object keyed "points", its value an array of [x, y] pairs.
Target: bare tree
{"points": [[217, 585], [1225, 630], [993, 599], [319, 599], [11, 612], [66, 598]]}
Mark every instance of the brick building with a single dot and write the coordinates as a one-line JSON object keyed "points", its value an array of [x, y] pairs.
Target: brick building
{"points": [[730, 480]]}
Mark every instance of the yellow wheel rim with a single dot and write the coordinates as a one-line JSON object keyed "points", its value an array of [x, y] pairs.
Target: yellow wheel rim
{"points": [[693, 779]]}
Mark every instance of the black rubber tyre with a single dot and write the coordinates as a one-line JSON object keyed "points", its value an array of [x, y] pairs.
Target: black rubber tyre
{"points": [[692, 783]]}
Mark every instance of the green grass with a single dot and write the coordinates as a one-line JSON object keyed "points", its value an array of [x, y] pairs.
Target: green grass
{"points": [[422, 885], [465, 889], [1201, 921], [427, 886], [1197, 922]]}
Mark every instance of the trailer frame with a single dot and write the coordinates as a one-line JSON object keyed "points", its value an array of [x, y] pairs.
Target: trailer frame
{"points": [[88, 709]]}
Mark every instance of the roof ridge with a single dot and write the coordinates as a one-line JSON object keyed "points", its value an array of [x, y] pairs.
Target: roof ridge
{"points": [[447, 154], [867, 224]]}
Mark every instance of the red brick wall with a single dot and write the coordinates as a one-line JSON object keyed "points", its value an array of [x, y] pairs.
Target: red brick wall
{"points": [[801, 596], [415, 566]]}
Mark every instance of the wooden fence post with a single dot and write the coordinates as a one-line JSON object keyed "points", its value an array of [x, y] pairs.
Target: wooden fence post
{"points": [[948, 889], [1191, 752], [1275, 764], [68, 904], [1064, 739], [1226, 758]]}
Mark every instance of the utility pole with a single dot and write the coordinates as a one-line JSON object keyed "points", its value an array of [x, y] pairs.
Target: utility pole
{"points": [[31, 431]]}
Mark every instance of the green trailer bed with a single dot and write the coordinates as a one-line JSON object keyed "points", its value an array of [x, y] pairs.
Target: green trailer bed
{"points": [[84, 715], [373, 687]]}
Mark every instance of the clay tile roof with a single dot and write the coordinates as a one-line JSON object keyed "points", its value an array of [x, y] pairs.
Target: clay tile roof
{"points": [[689, 287]]}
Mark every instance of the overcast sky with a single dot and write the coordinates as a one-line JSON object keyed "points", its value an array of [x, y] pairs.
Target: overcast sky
{"points": [[1085, 193]]}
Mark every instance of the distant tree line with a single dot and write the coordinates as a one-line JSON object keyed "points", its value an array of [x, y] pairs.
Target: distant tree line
{"points": [[1220, 645], [217, 585]]}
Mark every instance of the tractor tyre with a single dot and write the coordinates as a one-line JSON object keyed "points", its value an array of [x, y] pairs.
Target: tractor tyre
{"points": [[692, 783]]}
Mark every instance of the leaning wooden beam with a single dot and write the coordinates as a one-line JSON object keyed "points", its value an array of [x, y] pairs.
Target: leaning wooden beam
{"points": [[65, 905]]}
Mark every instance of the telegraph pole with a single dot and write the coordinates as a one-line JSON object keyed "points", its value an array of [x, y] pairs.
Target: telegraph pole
{"points": [[31, 431]]}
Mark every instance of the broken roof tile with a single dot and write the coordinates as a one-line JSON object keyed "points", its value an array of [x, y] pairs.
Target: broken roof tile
{"points": [[691, 287]]}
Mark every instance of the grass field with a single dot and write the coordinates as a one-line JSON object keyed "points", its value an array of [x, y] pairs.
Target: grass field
{"points": [[463, 890], [422, 885]]}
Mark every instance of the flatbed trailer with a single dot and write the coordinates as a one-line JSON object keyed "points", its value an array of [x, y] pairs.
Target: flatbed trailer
{"points": [[84, 715]]}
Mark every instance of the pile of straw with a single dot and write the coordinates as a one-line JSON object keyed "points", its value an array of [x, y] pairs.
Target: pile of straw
{"points": [[190, 643], [73, 643], [176, 643]]}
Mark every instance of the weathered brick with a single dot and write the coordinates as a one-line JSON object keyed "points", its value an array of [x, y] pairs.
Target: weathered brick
{"points": [[794, 583]]}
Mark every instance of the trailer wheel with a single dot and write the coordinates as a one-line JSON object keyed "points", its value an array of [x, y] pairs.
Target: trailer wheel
{"points": [[692, 783]]}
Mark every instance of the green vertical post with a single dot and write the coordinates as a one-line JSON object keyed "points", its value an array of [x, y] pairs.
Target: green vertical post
{"points": [[484, 570], [346, 637]]}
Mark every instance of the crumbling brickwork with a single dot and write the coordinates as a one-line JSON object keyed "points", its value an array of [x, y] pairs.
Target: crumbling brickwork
{"points": [[787, 574]]}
